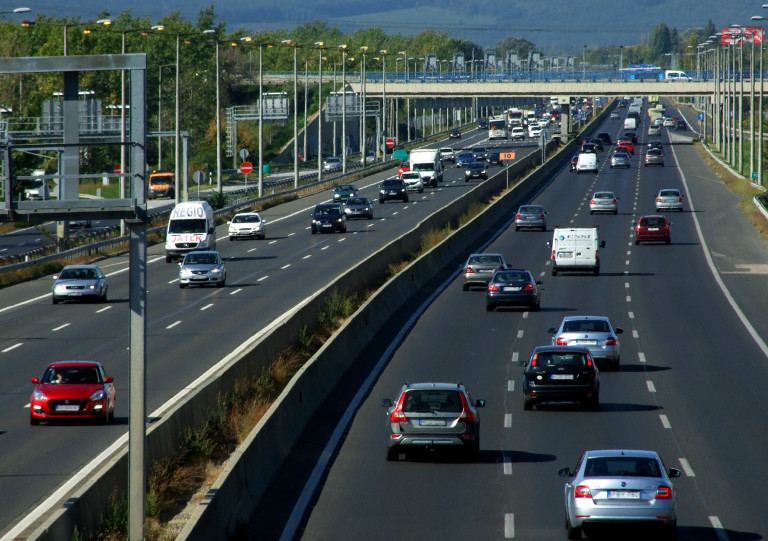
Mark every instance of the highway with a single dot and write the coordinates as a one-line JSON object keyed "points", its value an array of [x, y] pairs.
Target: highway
{"points": [[691, 383], [188, 330]]}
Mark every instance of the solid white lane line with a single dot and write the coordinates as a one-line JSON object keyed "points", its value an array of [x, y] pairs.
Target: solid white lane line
{"points": [[206, 307], [172, 325], [61, 327], [507, 420], [14, 346], [664, 421], [687, 467], [651, 386]]}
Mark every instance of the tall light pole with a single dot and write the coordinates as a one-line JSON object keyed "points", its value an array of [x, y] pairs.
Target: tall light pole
{"points": [[404, 54], [160, 113], [343, 108], [621, 62], [584, 63], [760, 106], [212, 32], [363, 142], [289, 43], [320, 46], [383, 53]]}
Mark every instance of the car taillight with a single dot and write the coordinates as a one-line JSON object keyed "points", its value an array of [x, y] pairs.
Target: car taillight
{"points": [[663, 492], [528, 287], [658, 199], [679, 199], [561, 341], [397, 415], [493, 288], [518, 217], [582, 491], [553, 255], [589, 360], [466, 416], [592, 202], [597, 255], [469, 270], [614, 201], [533, 361], [611, 341], [541, 216]]}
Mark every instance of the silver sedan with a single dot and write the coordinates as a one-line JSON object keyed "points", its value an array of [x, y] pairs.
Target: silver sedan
{"points": [[669, 199], [592, 332], [604, 202], [620, 159], [202, 268], [479, 269], [620, 486], [80, 283], [531, 217]]}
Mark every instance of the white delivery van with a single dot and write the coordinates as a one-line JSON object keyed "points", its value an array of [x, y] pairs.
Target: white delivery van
{"points": [[675, 75], [586, 163], [576, 249], [630, 123], [191, 227], [427, 162]]}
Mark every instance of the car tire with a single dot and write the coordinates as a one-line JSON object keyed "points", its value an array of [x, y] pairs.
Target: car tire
{"points": [[668, 241], [573, 532], [103, 298], [591, 212], [554, 271], [34, 421], [393, 454], [182, 286], [405, 199], [168, 258], [536, 306], [671, 533], [490, 307], [517, 228], [381, 201], [593, 404], [465, 287], [314, 231], [231, 239], [54, 300], [473, 451], [527, 403], [596, 272]]}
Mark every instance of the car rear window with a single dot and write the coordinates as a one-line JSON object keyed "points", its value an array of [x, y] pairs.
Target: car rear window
{"points": [[622, 466], [586, 325], [418, 401], [557, 359], [485, 260]]}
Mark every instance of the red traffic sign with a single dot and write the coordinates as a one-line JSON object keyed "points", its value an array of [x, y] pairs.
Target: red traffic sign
{"points": [[118, 169], [390, 143], [246, 168]]}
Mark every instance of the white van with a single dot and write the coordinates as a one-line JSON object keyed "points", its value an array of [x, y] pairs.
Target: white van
{"points": [[427, 162], [586, 162], [576, 249], [191, 227], [630, 123], [674, 75]]}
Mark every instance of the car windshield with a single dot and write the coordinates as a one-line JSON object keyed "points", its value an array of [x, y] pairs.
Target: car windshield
{"points": [[391, 184], [201, 259], [621, 155], [558, 359], [512, 277], [327, 210], [345, 188], [417, 401], [586, 325], [357, 201], [423, 166], [186, 226], [621, 466], [78, 274], [246, 219], [465, 156], [72, 374]]}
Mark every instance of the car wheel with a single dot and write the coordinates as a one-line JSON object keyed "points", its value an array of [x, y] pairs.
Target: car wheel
{"points": [[54, 300], [669, 241], [593, 404], [527, 403], [381, 201], [536, 306], [393, 453], [314, 231], [103, 298], [671, 533], [573, 532], [168, 258], [591, 212], [554, 271], [231, 239], [473, 451], [596, 272], [405, 199], [489, 307], [517, 228], [637, 242], [465, 287]]}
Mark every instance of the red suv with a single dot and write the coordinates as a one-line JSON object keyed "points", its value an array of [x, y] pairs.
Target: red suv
{"points": [[653, 228]]}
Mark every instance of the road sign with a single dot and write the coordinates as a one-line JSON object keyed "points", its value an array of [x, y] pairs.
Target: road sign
{"points": [[701, 117], [198, 177], [755, 176], [244, 154], [246, 168], [390, 143], [506, 155], [118, 169]]}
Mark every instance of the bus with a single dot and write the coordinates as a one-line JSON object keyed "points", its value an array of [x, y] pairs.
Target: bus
{"points": [[497, 128]]}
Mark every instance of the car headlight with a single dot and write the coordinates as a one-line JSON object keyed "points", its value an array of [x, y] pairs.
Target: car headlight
{"points": [[91, 286], [338, 220], [185, 272], [98, 395], [216, 270], [39, 395]]}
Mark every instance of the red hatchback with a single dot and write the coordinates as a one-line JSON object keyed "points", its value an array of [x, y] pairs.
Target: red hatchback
{"points": [[628, 146], [404, 167], [73, 390], [653, 228]]}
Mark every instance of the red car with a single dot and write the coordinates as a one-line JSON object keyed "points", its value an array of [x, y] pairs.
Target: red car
{"points": [[73, 390], [653, 228], [628, 146], [405, 166]]}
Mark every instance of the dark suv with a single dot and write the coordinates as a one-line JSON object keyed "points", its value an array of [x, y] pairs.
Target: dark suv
{"points": [[428, 416], [561, 374], [393, 188], [329, 217]]}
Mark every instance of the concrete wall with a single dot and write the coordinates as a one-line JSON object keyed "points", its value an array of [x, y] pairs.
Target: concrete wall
{"points": [[235, 493]]}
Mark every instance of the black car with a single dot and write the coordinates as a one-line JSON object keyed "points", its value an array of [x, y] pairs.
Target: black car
{"points": [[393, 188], [681, 125], [454, 134], [605, 137], [494, 158], [598, 143], [482, 124], [632, 136], [561, 374], [513, 287], [329, 217], [479, 153], [476, 170]]}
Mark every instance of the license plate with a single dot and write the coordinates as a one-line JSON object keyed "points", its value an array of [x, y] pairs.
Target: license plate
{"points": [[564, 254], [68, 408], [432, 422], [327, 225], [653, 229], [561, 376], [393, 193], [511, 288], [587, 342], [624, 494]]}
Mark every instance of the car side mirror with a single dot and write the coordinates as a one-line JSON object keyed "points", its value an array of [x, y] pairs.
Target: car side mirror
{"points": [[602, 244], [479, 403], [618, 330], [386, 403], [551, 330], [564, 472], [211, 230], [522, 363], [35, 380], [673, 472]]}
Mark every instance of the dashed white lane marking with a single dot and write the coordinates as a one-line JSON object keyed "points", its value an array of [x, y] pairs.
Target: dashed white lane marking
{"points": [[719, 530], [651, 386], [325, 247], [507, 420], [173, 281], [172, 325], [14, 346], [629, 299], [285, 266], [515, 357], [509, 525], [641, 356], [525, 315], [342, 239], [507, 465], [631, 315], [100, 310], [635, 334], [206, 307], [272, 241], [687, 467], [307, 256], [511, 386], [251, 250], [520, 333], [236, 291], [664, 421], [291, 234], [61, 327], [626, 285], [262, 278]]}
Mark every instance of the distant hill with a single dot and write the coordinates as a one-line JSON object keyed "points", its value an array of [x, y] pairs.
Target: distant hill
{"points": [[555, 26]]}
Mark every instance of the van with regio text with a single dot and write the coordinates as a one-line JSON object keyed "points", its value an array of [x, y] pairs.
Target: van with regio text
{"points": [[576, 249], [190, 228]]}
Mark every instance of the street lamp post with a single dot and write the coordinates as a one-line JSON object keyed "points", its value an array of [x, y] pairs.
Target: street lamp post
{"points": [[760, 106], [343, 108], [320, 46], [621, 62], [384, 96], [584, 63], [363, 76], [160, 114], [288, 42]]}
